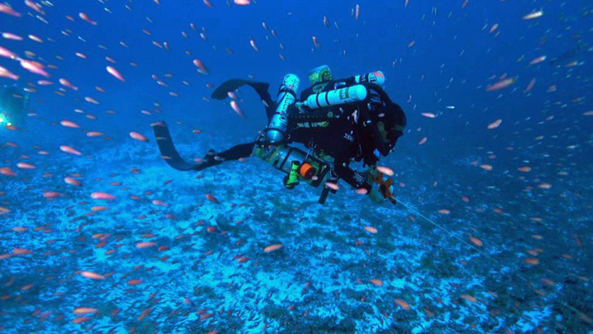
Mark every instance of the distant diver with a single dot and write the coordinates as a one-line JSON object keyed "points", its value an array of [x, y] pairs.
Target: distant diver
{"points": [[338, 121], [13, 107], [563, 58]]}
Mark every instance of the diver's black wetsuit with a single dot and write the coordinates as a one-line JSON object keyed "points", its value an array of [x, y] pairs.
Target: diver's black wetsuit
{"points": [[340, 138], [234, 153]]}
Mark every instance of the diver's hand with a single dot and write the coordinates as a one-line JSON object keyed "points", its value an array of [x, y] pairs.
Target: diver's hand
{"points": [[380, 193], [382, 187], [376, 195]]}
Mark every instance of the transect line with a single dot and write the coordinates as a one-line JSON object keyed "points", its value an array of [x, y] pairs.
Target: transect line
{"points": [[583, 316], [450, 233]]}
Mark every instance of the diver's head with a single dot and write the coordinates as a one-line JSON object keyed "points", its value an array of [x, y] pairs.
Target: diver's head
{"points": [[320, 74], [11, 95], [386, 127]]}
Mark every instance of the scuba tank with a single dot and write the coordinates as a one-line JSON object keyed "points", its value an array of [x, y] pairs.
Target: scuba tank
{"points": [[275, 132], [345, 92], [296, 164], [335, 97]]}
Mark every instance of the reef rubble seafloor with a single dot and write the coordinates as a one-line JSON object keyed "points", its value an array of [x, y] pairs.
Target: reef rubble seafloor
{"points": [[173, 261]]}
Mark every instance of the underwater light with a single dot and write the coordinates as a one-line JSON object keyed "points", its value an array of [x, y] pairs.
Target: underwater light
{"points": [[2, 120]]}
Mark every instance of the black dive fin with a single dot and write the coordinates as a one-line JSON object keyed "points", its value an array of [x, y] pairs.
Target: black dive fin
{"points": [[168, 151], [221, 92]]}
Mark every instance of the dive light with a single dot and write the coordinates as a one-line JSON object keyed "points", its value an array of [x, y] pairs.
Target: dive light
{"points": [[4, 120]]}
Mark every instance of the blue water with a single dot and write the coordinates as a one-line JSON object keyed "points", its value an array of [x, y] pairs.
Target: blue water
{"points": [[492, 233]]}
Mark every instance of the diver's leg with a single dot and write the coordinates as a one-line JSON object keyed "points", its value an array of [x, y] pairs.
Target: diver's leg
{"points": [[234, 153], [237, 152]]}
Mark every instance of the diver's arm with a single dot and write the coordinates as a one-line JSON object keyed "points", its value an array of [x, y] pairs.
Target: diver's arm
{"points": [[348, 81], [354, 178], [378, 192]]}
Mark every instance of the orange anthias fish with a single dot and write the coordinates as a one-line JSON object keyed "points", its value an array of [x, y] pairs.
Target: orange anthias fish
{"points": [[377, 282], [402, 304], [272, 248], [212, 199], [501, 84]]}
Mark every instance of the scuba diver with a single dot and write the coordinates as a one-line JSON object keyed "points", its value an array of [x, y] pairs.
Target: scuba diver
{"points": [[13, 105], [338, 121]]}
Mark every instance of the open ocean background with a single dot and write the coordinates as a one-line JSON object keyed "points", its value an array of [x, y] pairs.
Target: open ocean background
{"points": [[493, 234]]}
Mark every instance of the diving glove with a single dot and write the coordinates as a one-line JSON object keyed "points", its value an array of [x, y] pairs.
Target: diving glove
{"points": [[376, 196], [381, 192], [382, 188]]}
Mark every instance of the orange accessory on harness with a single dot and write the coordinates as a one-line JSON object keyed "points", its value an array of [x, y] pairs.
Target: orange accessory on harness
{"points": [[307, 171]]}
